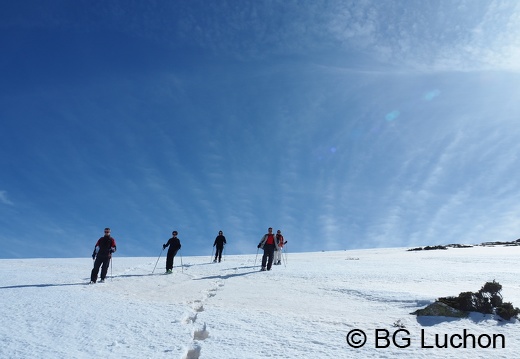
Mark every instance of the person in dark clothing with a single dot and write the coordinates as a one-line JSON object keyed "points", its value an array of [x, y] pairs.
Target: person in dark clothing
{"points": [[174, 245], [268, 244], [219, 243], [102, 254]]}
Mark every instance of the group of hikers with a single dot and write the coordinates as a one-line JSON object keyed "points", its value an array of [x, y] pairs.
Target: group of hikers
{"points": [[106, 245]]}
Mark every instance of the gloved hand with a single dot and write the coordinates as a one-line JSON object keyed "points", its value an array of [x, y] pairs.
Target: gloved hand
{"points": [[94, 255], [112, 250], [163, 246], [180, 246], [285, 242], [258, 246]]}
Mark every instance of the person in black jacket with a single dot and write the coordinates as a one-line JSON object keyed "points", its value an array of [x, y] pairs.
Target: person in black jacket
{"points": [[174, 245], [219, 243], [102, 254]]}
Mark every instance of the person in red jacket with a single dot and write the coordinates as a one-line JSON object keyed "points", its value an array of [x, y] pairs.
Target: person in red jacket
{"points": [[102, 254], [268, 244]]}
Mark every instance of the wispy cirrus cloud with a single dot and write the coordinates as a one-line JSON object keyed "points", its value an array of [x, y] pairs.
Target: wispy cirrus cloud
{"points": [[4, 199], [423, 36], [430, 36]]}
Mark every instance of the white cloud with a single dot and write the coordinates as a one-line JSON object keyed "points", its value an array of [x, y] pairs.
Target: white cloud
{"points": [[431, 36], [4, 199]]}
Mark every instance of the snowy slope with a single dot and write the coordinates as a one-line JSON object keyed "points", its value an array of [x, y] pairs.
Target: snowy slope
{"points": [[304, 309]]}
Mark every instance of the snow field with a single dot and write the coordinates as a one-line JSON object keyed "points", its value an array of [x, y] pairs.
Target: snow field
{"points": [[304, 308]]}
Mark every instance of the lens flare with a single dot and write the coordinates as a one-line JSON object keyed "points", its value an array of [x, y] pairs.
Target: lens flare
{"points": [[392, 116], [429, 96]]}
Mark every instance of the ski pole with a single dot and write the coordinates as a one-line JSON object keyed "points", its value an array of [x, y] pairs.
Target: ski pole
{"points": [[182, 267], [254, 265], [285, 252], [212, 250], [111, 274], [157, 260]]}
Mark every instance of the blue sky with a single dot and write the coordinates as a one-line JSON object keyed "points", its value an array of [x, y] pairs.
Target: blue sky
{"points": [[346, 124]]}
